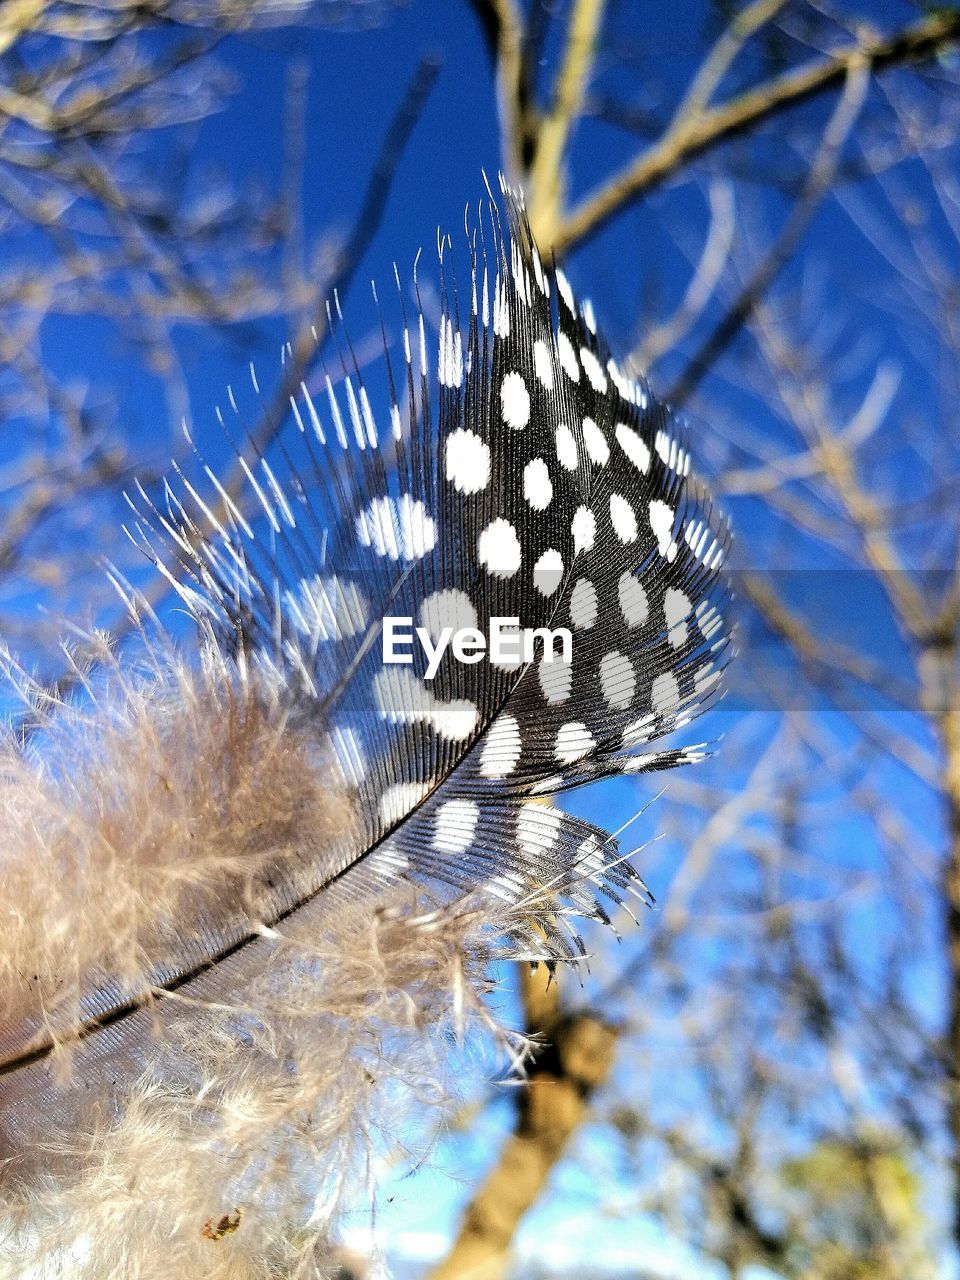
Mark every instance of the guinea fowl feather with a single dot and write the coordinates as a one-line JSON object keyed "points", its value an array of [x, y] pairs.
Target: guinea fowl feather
{"points": [[245, 896]]}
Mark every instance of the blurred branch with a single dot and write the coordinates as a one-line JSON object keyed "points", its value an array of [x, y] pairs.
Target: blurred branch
{"points": [[706, 276], [502, 25], [547, 170], [805, 396], [303, 349], [818, 182], [807, 465], [691, 136], [17, 17], [827, 659], [744, 24], [574, 1060], [310, 333]]}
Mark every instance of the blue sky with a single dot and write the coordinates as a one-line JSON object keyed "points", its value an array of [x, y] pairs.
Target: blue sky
{"points": [[640, 260]]}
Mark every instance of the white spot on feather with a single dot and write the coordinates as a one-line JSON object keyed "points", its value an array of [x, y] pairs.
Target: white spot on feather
{"points": [[537, 488], [584, 529], [566, 293], [501, 747], [634, 604], [596, 443], [548, 572], [568, 357], [583, 604], [556, 679], [498, 549], [593, 370], [515, 401], [450, 355], [543, 364], [501, 309], [574, 741], [455, 825], [468, 461], [397, 801], [661, 522], [617, 679], [537, 828], [623, 518], [398, 528], [676, 609], [665, 693], [634, 447], [402, 698], [566, 448], [448, 608]]}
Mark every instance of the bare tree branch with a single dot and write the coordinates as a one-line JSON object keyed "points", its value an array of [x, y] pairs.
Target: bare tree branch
{"points": [[692, 136], [545, 197], [575, 1059], [818, 183], [502, 24]]}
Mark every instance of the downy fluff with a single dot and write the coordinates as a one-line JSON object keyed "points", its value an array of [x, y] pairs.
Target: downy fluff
{"points": [[245, 895]]}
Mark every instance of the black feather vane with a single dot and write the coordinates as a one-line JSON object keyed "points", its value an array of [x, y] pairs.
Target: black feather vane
{"points": [[240, 895]]}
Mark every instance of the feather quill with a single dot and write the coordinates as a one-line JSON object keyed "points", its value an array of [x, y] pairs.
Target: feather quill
{"points": [[243, 895]]}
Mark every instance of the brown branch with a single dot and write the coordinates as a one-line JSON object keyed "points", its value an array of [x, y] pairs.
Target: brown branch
{"points": [[551, 1107], [912, 610], [714, 256], [545, 197], [824, 660], [690, 137]]}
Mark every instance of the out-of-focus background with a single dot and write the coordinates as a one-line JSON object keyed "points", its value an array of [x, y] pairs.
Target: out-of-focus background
{"points": [[762, 1080]]}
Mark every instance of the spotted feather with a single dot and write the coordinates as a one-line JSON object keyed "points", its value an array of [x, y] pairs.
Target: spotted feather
{"points": [[514, 473], [553, 489]]}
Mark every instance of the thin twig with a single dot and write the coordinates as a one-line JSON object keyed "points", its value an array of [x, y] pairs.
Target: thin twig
{"points": [[502, 25], [545, 194], [683, 142], [817, 184]]}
